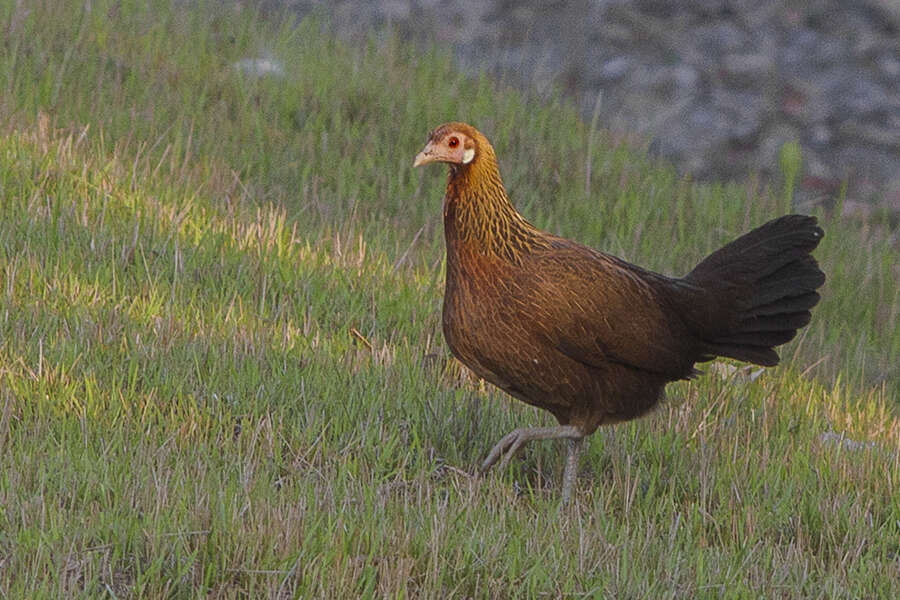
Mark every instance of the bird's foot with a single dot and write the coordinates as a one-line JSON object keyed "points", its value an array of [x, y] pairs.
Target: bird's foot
{"points": [[506, 448], [512, 442]]}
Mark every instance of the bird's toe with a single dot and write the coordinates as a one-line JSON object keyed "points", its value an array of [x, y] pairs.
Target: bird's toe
{"points": [[513, 447], [502, 449]]}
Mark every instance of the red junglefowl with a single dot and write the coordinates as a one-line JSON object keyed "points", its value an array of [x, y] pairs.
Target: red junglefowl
{"points": [[588, 336]]}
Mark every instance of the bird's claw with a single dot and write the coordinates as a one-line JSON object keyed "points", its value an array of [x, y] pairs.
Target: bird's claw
{"points": [[506, 448]]}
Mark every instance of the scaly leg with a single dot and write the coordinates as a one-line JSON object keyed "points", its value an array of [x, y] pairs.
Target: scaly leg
{"points": [[516, 439], [571, 468]]}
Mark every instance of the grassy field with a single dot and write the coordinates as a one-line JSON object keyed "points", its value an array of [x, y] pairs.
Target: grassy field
{"points": [[221, 367]]}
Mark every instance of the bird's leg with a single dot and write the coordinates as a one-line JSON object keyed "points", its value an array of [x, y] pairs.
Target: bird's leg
{"points": [[571, 468], [513, 442]]}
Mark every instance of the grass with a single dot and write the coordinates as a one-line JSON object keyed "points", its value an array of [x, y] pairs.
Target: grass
{"points": [[221, 367]]}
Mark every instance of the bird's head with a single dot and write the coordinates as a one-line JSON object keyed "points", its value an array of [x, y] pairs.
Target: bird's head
{"points": [[455, 143]]}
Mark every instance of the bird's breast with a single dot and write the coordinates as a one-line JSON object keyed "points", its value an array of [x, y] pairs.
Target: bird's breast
{"points": [[488, 321]]}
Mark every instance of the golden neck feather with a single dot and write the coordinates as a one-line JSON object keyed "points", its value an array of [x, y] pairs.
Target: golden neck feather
{"points": [[478, 215]]}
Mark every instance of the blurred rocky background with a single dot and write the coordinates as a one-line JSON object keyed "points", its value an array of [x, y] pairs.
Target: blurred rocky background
{"points": [[714, 86]]}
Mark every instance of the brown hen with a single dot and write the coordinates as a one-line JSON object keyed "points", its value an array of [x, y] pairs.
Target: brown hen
{"points": [[585, 335]]}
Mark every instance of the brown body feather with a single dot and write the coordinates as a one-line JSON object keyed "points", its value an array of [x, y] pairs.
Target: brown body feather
{"points": [[590, 337]]}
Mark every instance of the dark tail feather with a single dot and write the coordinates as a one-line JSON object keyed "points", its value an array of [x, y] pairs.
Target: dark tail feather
{"points": [[762, 286], [757, 355], [794, 304], [801, 276]]}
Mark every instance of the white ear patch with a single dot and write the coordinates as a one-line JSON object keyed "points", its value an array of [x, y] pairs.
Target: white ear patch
{"points": [[468, 155]]}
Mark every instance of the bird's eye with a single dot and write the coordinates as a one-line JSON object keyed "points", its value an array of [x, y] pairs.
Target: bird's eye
{"points": [[453, 142]]}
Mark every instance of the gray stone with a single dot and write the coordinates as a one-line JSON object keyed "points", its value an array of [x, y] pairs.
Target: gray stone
{"points": [[804, 48], [615, 68], [686, 78], [889, 64], [820, 134], [746, 111], [840, 440], [747, 69], [719, 38], [849, 91], [259, 67]]}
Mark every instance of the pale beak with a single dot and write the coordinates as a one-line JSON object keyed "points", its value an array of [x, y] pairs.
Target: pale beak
{"points": [[425, 156]]}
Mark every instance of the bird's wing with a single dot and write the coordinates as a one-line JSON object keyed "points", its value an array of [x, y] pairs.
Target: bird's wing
{"points": [[600, 310]]}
